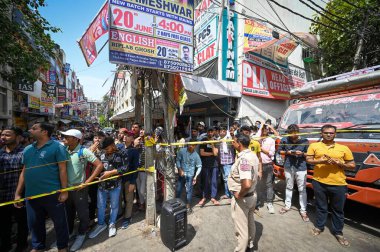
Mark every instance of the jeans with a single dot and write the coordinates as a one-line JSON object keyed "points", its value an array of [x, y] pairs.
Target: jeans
{"points": [[300, 177], [188, 181], [78, 203], [36, 210], [141, 186], [93, 195], [265, 185], [6, 213], [210, 178], [226, 173], [336, 195], [114, 195]]}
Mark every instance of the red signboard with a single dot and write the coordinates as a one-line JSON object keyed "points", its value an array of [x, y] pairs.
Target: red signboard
{"points": [[262, 82]]}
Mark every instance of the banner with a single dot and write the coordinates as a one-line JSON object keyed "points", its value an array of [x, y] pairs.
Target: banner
{"points": [[98, 27], [255, 35], [267, 83], [152, 34], [61, 94], [33, 102], [46, 105], [205, 32], [50, 90], [67, 68], [229, 46]]}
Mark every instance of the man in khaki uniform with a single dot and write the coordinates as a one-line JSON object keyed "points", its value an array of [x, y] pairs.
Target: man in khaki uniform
{"points": [[242, 183]]}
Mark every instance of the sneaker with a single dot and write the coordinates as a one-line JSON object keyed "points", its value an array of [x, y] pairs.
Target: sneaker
{"points": [[126, 223], [189, 211], [270, 208], [111, 230], [97, 230], [78, 243]]}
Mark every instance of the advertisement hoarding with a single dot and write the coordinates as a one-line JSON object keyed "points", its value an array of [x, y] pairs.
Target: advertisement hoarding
{"points": [[205, 32], [152, 34], [265, 82], [255, 35], [229, 46], [33, 102]]}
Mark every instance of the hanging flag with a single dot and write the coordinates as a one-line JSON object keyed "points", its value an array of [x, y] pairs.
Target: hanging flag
{"points": [[180, 96], [97, 28]]}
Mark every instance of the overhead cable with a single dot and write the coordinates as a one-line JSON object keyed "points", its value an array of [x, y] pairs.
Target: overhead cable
{"points": [[300, 15]]}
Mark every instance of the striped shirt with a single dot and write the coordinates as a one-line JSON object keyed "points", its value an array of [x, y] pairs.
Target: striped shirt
{"points": [[10, 169]]}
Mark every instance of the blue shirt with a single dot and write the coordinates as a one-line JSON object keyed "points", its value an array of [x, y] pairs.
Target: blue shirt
{"points": [[188, 162], [299, 162], [133, 159], [41, 167]]}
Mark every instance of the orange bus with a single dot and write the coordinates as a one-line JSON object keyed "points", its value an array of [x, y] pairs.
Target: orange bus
{"points": [[350, 102]]}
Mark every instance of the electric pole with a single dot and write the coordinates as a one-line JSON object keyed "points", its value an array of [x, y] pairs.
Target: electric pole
{"points": [[150, 217], [165, 86]]}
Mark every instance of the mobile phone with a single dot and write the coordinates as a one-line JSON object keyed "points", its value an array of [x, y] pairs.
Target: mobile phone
{"points": [[293, 151]]}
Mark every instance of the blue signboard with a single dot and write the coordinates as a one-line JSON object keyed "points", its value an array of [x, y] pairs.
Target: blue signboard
{"points": [[229, 48]]}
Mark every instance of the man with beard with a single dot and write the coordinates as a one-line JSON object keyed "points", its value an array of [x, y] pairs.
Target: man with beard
{"points": [[44, 171], [10, 169]]}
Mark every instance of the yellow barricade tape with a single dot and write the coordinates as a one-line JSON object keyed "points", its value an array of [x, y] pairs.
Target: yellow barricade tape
{"points": [[150, 169]]}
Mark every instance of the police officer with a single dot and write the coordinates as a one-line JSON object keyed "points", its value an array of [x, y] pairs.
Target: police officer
{"points": [[242, 183]]}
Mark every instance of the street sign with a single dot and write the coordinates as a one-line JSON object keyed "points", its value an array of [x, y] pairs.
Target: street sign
{"points": [[25, 87]]}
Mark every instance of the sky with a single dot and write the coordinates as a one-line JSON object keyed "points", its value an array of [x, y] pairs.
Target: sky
{"points": [[73, 17]]}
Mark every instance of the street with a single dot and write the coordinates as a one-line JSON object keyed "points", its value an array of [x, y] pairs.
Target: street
{"points": [[211, 229]]}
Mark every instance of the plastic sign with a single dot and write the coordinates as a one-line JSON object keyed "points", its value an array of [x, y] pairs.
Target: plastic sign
{"points": [[152, 34]]}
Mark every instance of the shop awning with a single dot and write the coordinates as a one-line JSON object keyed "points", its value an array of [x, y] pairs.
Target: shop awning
{"points": [[123, 114], [201, 89]]}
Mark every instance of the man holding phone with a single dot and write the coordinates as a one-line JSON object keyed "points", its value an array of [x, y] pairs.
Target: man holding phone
{"points": [[294, 148], [330, 159]]}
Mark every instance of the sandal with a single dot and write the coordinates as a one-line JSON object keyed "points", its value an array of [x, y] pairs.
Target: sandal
{"points": [[316, 231], [202, 202], [215, 202], [284, 210], [305, 218], [342, 241]]}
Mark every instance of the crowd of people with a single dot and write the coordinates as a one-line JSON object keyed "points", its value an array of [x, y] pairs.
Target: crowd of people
{"points": [[45, 160]]}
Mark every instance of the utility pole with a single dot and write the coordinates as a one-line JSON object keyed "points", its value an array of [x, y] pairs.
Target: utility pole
{"points": [[150, 217], [165, 86], [359, 48], [139, 80]]}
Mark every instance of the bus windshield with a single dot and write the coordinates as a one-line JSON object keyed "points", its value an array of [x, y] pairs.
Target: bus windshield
{"points": [[347, 112]]}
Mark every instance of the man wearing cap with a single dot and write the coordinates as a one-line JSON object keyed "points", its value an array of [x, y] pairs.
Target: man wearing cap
{"points": [[201, 128], [242, 183], [76, 174], [115, 163]]}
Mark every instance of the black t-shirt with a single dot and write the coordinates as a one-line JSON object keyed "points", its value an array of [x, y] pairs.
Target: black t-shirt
{"points": [[209, 161]]}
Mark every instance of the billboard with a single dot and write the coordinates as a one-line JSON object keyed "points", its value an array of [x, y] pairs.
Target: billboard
{"points": [[98, 27], [33, 102], [152, 34], [255, 35], [206, 32], [267, 82], [229, 46]]}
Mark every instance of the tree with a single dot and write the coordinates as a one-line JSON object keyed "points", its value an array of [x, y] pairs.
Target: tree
{"points": [[25, 43], [352, 42]]}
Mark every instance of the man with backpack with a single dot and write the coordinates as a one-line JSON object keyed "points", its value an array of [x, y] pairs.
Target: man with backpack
{"points": [[76, 173]]}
